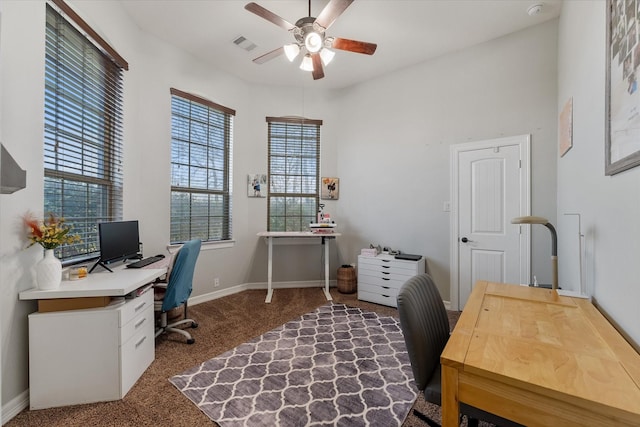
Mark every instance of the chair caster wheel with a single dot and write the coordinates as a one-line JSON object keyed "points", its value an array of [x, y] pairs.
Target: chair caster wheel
{"points": [[191, 341], [194, 325]]}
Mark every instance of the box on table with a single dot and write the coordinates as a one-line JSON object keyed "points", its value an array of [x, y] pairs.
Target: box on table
{"points": [[369, 252]]}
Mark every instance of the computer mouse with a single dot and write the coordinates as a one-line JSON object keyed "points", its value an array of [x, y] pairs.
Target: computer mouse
{"points": [[159, 256]]}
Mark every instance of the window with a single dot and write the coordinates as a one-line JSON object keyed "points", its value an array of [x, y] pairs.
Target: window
{"points": [[294, 165], [82, 130], [201, 151]]}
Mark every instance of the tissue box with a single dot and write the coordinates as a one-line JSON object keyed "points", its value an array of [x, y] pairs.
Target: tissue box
{"points": [[369, 252]]}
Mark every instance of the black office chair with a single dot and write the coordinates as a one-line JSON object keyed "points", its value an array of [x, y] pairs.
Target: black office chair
{"points": [[176, 291], [425, 325]]}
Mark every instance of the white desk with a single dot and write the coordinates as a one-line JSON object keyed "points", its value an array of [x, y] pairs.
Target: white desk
{"points": [[93, 354], [99, 284], [271, 235]]}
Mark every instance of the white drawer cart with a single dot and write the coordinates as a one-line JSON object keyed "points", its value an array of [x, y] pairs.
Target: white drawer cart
{"points": [[90, 355], [380, 277]]}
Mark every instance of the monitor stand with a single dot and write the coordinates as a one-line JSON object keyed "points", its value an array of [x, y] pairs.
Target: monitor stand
{"points": [[102, 264]]}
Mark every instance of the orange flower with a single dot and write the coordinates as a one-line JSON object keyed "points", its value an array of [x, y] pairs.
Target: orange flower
{"points": [[49, 233], [32, 224]]}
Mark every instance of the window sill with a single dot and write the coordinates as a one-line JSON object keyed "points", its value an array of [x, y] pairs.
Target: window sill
{"points": [[206, 246]]}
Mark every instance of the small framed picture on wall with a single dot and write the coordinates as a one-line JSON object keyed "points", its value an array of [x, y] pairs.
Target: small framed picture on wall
{"points": [[257, 185], [330, 188]]}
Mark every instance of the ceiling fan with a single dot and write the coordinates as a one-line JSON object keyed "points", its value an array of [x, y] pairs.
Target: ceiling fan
{"points": [[310, 37]]}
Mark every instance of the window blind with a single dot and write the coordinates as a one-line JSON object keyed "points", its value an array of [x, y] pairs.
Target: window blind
{"points": [[294, 165], [201, 153], [82, 132]]}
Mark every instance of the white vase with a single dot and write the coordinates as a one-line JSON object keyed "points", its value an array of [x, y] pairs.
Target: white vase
{"points": [[48, 271]]}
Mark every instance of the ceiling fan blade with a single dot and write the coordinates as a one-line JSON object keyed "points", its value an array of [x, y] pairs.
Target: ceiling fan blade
{"points": [[269, 55], [354, 46], [269, 16], [331, 11], [317, 72]]}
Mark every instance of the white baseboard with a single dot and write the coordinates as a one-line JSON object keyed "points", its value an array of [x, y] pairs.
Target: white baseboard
{"points": [[258, 285], [263, 285], [14, 407], [291, 285], [218, 294]]}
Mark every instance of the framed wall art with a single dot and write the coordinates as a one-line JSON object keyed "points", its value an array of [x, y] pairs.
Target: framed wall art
{"points": [[565, 128], [622, 118], [257, 185], [330, 188]]}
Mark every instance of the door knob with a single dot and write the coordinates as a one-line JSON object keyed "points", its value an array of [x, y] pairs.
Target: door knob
{"points": [[465, 240]]}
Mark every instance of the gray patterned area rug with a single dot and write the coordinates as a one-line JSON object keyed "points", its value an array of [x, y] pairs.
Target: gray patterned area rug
{"points": [[335, 366]]}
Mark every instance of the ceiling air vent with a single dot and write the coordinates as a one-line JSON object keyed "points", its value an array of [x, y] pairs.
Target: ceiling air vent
{"points": [[244, 43]]}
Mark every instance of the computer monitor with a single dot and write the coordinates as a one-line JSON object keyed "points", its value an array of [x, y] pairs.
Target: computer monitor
{"points": [[119, 240]]}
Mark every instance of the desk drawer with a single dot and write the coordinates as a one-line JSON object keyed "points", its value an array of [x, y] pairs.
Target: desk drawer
{"points": [[379, 289], [381, 272], [386, 261], [137, 324], [133, 307], [377, 298], [137, 353], [383, 281]]}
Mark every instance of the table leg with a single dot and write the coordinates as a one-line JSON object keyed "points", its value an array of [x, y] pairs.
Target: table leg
{"points": [[326, 270], [450, 403], [269, 271]]}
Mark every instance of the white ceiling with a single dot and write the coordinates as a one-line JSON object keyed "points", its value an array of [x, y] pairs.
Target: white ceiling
{"points": [[407, 32]]}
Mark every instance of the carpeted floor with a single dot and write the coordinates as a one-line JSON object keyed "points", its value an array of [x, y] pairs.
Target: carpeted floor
{"points": [[223, 324]]}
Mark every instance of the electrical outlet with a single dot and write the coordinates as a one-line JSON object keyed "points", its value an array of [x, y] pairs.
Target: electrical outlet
{"points": [[216, 282]]}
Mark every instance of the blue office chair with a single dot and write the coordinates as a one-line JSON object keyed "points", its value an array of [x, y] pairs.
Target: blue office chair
{"points": [[175, 292]]}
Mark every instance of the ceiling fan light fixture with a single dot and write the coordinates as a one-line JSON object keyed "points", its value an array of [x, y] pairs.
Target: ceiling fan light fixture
{"points": [[307, 63], [313, 42], [327, 56], [291, 51]]}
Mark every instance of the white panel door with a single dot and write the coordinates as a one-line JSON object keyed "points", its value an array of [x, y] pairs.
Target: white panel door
{"points": [[489, 194]]}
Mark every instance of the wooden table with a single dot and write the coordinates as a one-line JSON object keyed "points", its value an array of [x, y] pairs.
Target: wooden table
{"points": [[539, 359], [321, 237]]}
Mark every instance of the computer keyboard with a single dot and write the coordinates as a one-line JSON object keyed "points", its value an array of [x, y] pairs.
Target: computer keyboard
{"points": [[144, 262]]}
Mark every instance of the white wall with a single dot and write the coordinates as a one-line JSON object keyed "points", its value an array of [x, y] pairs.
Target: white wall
{"points": [[22, 81], [396, 132], [609, 205]]}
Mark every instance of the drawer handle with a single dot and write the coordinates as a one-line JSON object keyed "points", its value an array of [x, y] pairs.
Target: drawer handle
{"points": [[385, 278], [140, 341], [140, 322], [385, 266], [386, 260], [386, 296], [139, 306], [386, 287]]}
